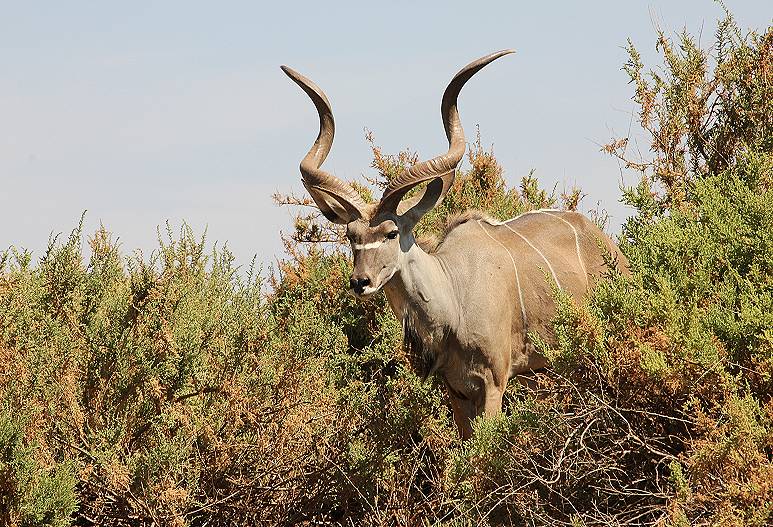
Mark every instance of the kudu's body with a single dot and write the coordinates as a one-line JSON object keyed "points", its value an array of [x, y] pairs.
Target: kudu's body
{"points": [[467, 307]]}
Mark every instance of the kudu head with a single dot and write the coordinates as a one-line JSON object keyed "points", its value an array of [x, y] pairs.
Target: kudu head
{"points": [[381, 233]]}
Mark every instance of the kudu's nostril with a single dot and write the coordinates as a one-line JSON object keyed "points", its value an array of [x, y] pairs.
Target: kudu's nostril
{"points": [[359, 284]]}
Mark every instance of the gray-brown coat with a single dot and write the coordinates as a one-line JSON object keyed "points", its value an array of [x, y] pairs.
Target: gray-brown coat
{"points": [[468, 306]]}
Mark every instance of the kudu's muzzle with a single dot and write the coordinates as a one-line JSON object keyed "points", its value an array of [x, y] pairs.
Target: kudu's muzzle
{"points": [[358, 285]]}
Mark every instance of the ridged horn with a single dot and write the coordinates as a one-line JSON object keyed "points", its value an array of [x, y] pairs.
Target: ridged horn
{"points": [[442, 166], [337, 200]]}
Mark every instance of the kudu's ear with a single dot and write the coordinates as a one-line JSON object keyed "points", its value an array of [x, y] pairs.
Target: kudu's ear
{"points": [[413, 208], [338, 201], [438, 172], [334, 207]]}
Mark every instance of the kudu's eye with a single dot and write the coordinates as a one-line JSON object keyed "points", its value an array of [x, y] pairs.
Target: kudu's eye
{"points": [[392, 235]]}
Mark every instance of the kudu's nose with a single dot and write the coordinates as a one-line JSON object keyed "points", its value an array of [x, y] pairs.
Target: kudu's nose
{"points": [[358, 284]]}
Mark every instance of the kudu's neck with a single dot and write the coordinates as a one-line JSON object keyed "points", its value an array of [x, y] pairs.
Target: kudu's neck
{"points": [[422, 289]]}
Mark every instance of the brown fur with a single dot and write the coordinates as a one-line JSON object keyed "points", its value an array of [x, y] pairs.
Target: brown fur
{"points": [[421, 357]]}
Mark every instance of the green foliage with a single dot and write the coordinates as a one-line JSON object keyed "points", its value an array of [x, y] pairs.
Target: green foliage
{"points": [[702, 111], [684, 344], [33, 491]]}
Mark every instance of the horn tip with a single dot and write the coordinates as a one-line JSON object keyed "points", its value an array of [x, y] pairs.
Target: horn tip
{"points": [[502, 53], [288, 70]]}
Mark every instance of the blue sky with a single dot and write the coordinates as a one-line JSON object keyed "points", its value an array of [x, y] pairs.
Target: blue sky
{"points": [[147, 112]]}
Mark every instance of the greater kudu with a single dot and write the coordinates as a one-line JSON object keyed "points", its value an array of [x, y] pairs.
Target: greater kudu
{"points": [[466, 307]]}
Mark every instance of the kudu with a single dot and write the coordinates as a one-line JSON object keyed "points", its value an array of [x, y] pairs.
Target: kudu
{"points": [[468, 306]]}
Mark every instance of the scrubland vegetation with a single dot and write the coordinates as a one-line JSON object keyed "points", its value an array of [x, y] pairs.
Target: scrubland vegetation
{"points": [[185, 390]]}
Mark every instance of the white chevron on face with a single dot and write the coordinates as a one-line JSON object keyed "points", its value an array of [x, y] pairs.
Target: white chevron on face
{"points": [[364, 246]]}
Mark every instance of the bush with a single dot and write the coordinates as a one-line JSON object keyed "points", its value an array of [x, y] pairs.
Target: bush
{"points": [[31, 491]]}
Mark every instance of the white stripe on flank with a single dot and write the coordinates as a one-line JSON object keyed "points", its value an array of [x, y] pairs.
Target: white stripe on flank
{"points": [[538, 252], [495, 223], [576, 244], [362, 246], [517, 279]]}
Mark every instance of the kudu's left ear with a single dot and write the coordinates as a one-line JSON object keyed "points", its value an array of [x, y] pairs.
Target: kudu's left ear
{"points": [[439, 172]]}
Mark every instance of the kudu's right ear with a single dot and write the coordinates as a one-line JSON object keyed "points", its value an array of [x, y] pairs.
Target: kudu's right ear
{"points": [[334, 207], [337, 201]]}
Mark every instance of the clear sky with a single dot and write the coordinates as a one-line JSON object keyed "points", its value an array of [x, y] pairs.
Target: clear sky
{"points": [[143, 112]]}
